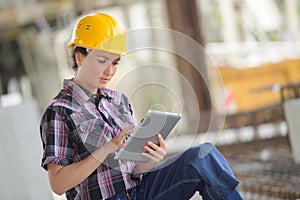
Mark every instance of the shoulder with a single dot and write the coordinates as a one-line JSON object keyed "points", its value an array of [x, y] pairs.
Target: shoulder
{"points": [[61, 104]]}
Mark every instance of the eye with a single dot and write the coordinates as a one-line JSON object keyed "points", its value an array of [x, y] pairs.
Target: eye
{"points": [[115, 63], [102, 60]]}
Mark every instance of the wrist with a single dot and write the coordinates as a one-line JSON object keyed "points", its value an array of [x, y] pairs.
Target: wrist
{"points": [[101, 153], [110, 147], [136, 171]]}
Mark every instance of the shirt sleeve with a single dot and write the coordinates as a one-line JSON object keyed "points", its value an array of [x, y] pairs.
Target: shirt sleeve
{"points": [[57, 144]]}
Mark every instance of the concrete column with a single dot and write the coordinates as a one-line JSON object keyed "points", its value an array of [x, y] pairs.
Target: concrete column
{"points": [[184, 18], [229, 26], [292, 18]]}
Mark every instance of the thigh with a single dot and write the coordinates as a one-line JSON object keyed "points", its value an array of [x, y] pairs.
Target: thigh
{"points": [[123, 196], [200, 168], [172, 179]]}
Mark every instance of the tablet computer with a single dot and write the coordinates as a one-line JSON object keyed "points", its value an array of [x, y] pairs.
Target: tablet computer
{"points": [[153, 122]]}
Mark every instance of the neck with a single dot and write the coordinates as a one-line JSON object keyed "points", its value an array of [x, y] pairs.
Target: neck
{"points": [[91, 89]]}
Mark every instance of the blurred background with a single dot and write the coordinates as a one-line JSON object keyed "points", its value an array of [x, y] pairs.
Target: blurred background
{"points": [[238, 87]]}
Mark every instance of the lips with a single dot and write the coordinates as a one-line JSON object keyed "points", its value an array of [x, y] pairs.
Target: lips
{"points": [[105, 80]]}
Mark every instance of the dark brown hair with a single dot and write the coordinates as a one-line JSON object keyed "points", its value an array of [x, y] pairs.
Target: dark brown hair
{"points": [[81, 50]]}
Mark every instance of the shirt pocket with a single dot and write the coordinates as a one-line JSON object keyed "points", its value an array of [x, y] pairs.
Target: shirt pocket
{"points": [[93, 133], [121, 113]]}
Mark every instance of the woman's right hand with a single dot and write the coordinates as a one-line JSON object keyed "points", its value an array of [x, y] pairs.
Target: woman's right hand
{"points": [[120, 140]]}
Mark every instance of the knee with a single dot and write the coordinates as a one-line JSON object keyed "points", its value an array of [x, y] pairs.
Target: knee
{"points": [[200, 151]]}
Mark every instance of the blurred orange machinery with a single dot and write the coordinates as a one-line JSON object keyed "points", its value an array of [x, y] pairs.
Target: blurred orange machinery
{"points": [[258, 87]]}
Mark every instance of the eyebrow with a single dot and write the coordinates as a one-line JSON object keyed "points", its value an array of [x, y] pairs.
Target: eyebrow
{"points": [[106, 58], [117, 59]]}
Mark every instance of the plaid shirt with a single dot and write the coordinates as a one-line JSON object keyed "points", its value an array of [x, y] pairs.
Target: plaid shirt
{"points": [[72, 127]]}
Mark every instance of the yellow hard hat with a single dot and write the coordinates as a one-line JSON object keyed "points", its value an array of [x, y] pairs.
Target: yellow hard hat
{"points": [[99, 31]]}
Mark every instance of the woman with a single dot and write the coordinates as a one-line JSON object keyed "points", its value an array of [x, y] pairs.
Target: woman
{"points": [[86, 124]]}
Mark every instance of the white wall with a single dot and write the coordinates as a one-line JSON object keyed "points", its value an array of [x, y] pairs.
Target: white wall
{"points": [[22, 177]]}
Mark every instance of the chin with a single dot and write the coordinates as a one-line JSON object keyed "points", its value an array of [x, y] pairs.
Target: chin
{"points": [[101, 85]]}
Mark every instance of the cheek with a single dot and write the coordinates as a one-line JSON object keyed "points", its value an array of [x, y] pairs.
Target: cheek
{"points": [[95, 68]]}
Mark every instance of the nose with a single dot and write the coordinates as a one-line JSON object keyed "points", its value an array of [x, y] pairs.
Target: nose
{"points": [[109, 69]]}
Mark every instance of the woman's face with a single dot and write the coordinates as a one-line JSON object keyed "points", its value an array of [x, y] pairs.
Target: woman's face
{"points": [[96, 69]]}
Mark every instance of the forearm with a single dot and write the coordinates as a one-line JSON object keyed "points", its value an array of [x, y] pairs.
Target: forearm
{"points": [[67, 177]]}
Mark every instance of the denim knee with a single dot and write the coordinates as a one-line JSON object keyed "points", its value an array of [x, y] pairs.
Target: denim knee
{"points": [[211, 167], [198, 152]]}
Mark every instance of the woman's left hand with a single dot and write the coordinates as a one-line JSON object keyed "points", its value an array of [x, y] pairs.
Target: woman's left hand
{"points": [[155, 152]]}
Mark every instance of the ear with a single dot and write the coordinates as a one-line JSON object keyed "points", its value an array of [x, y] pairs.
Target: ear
{"points": [[79, 58]]}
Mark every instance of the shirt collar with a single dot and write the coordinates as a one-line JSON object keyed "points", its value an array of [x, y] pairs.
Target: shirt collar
{"points": [[107, 93]]}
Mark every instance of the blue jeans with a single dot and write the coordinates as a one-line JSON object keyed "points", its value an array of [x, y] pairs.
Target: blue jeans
{"points": [[201, 168]]}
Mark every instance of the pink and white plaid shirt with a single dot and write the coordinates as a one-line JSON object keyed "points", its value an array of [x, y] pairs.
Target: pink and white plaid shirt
{"points": [[72, 127]]}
